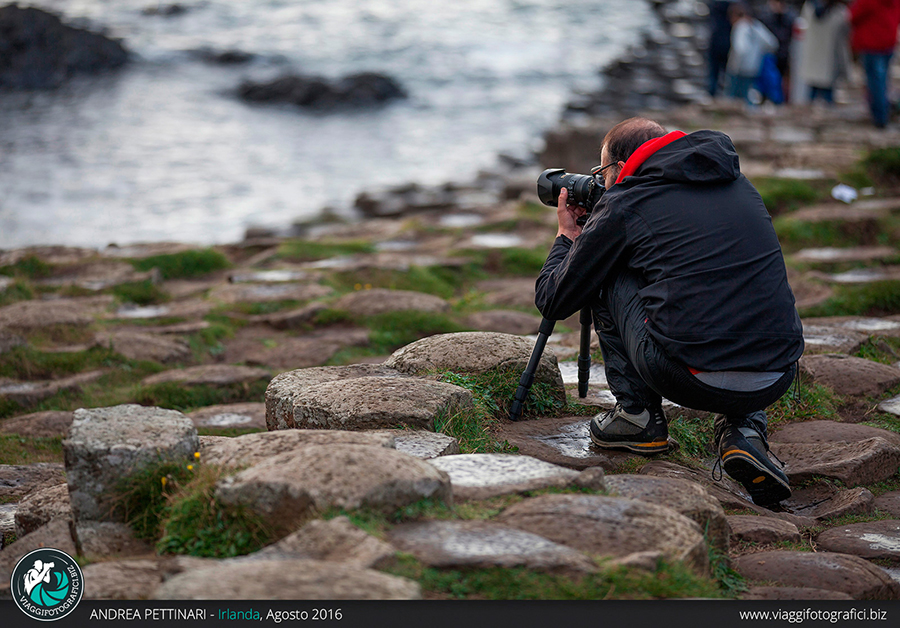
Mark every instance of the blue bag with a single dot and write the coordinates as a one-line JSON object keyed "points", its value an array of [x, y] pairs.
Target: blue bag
{"points": [[769, 80]]}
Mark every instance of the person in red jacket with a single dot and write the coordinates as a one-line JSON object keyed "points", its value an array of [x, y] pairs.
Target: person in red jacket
{"points": [[874, 34]]}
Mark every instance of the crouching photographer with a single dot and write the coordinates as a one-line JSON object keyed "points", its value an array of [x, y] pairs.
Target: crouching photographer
{"points": [[685, 278]]}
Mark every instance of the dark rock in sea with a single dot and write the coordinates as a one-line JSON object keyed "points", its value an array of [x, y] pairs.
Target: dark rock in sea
{"points": [[38, 51], [165, 10], [224, 57], [357, 90]]}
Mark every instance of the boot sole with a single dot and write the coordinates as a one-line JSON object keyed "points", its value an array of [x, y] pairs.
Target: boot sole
{"points": [[656, 447], [764, 486]]}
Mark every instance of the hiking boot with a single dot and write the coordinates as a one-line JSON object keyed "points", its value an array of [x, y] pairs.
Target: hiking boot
{"points": [[743, 453], [644, 433]]}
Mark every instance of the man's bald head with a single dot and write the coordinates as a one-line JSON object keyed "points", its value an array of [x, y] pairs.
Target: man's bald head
{"points": [[627, 136]]}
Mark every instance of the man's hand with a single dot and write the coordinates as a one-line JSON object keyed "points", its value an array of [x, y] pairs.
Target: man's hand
{"points": [[567, 215]]}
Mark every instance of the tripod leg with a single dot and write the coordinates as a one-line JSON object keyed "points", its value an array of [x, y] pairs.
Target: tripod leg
{"points": [[527, 379], [584, 353]]}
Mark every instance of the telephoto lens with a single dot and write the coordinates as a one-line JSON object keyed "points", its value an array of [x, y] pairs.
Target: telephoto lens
{"points": [[584, 190]]}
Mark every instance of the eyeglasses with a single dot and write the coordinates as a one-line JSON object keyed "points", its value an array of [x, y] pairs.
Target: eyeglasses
{"points": [[599, 169]]}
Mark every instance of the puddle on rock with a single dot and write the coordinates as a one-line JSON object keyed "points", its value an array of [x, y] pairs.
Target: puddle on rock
{"points": [[496, 240]]}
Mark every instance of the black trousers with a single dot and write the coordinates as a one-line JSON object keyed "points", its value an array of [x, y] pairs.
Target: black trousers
{"points": [[640, 372]]}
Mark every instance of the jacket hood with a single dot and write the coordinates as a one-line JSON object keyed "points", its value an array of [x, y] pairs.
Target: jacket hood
{"points": [[703, 157]]}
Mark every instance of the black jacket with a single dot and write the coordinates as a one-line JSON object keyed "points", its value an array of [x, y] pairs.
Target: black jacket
{"points": [[716, 295]]}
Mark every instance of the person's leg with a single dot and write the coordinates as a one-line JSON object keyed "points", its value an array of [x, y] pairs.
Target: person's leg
{"points": [[876, 67], [743, 453], [637, 423]]}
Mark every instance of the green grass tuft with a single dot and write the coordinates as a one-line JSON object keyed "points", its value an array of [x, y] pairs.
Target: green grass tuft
{"points": [[667, 581], [492, 392], [441, 281], [16, 449], [185, 264], [196, 523], [31, 364], [393, 330], [176, 396], [879, 298], [18, 291], [308, 251], [781, 195], [884, 164], [815, 402], [141, 498], [141, 292], [31, 267]]}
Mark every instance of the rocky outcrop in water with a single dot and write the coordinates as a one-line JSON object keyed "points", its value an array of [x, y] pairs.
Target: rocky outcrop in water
{"points": [[362, 90], [38, 51]]}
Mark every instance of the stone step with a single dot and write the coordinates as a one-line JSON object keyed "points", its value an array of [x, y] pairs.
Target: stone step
{"points": [[854, 464], [482, 476], [844, 573], [873, 540], [611, 526], [848, 375], [485, 544], [762, 530]]}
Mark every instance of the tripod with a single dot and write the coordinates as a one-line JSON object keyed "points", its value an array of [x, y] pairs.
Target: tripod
{"points": [[584, 362]]}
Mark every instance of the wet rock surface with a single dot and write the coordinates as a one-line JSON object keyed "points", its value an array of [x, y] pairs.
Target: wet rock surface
{"points": [[481, 476], [425, 445], [610, 526], [365, 89], [243, 415], [482, 545], [874, 540], [843, 573], [286, 580], [29, 394], [563, 441], [823, 339], [822, 500], [40, 52], [104, 444]]}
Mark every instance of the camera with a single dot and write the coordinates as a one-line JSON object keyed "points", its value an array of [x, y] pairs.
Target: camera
{"points": [[584, 189]]}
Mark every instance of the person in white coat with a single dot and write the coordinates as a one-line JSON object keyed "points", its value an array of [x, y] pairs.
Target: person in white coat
{"points": [[750, 42], [826, 52]]}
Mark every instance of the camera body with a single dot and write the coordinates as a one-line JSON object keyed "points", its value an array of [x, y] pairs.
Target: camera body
{"points": [[584, 190]]}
